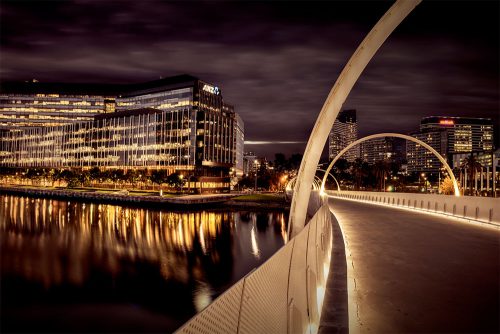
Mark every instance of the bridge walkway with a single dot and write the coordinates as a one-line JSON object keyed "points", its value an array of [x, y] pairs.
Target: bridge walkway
{"points": [[412, 272]]}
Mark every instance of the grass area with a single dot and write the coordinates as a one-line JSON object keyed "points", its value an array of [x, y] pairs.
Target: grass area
{"points": [[151, 192], [31, 187], [260, 198]]}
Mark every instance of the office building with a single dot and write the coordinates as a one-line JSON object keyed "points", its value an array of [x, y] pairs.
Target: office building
{"points": [[343, 133], [177, 124], [386, 148], [422, 160], [250, 163], [239, 145], [448, 136], [465, 134]]}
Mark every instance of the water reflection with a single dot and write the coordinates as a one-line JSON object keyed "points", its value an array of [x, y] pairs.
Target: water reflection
{"points": [[169, 263]]}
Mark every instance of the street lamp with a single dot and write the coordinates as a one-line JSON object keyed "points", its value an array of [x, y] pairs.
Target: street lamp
{"points": [[255, 164], [422, 176], [283, 180], [181, 177]]}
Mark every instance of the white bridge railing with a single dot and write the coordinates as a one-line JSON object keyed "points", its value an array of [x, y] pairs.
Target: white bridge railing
{"points": [[482, 209], [283, 295]]}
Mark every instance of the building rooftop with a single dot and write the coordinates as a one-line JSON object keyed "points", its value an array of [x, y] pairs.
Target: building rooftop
{"points": [[450, 120], [35, 87]]}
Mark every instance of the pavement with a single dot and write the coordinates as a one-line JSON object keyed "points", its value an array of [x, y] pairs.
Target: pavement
{"points": [[409, 272]]}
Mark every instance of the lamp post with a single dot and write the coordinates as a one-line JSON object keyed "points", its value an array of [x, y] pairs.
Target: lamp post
{"points": [[283, 180], [423, 179], [255, 166], [439, 181], [181, 177]]}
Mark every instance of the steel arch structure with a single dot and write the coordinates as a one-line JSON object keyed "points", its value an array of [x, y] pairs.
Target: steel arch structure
{"points": [[316, 185], [398, 135], [326, 175], [336, 98]]}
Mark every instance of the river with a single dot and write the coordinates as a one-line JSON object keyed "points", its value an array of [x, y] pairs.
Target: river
{"points": [[69, 266]]}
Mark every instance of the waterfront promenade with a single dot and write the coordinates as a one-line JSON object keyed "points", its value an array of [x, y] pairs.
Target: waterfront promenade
{"points": [[235, 200], [408, 271]]}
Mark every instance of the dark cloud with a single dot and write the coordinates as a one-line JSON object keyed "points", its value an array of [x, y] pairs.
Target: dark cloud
{"points": [[276, 62]]}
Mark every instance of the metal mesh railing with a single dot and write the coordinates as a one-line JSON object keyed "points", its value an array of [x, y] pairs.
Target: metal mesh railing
{"points": [[480, 209], [283, 295]]}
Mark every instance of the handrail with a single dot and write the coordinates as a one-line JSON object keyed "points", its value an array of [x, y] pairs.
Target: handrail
{"points": [[484, 210]]}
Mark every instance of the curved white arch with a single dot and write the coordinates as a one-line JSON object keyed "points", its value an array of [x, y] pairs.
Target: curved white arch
{"points": [[350, 74], [398, 135], [316, 185], [333, 177]]}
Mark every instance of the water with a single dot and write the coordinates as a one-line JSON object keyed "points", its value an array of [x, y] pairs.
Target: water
{"points": [[88, 267]]}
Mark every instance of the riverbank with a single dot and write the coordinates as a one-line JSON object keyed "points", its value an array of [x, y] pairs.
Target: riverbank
{"points": [[153, 199]]}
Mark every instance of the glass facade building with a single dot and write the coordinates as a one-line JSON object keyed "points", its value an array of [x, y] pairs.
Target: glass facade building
{"points": [[465, 134], [178, 124], [449, 136], [240, 143], [422, 160], [343, 133], [380, 149]]}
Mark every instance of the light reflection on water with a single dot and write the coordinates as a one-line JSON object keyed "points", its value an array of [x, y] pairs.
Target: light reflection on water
{"points": [[169, 264]]}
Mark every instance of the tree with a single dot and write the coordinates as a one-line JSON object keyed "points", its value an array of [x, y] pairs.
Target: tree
{"points": [[175, 180], [381, 169], [359, 171], [95, 174], [131, 176], [83, 177], [341, 167], [115, 176], [446, 187], [294, 161], [280, 162], [70, 178], [57, 175], [158, 177], [471, 165]]}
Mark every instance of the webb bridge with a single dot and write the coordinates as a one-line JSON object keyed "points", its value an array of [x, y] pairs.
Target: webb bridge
{"points": [[368, 262]]}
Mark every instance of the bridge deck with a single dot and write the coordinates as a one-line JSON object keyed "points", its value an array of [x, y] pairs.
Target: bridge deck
{"points": [[415, 272]]}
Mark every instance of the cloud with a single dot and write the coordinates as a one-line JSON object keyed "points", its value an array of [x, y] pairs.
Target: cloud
{"points": [[276, 62]]}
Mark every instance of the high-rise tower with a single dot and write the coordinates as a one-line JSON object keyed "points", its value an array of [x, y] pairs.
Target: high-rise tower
{"points": [[343, 133]]}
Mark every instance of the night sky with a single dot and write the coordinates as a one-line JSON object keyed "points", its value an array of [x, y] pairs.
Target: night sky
{"points": [[275, 61]]}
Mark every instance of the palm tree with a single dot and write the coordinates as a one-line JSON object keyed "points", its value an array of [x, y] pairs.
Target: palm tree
{"points": [[341, 167], [382, 169], [471, 165], [359, 172]]}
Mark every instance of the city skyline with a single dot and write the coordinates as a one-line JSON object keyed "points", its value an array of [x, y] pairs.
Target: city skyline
{"points": [[277, 58]]}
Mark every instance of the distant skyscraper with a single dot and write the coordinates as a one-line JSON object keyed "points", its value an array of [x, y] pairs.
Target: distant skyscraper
{"points": [[239, 136], [343, 133], [249, 163]]}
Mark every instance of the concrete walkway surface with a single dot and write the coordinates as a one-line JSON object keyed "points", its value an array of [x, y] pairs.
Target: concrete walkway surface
{"points": [[409, 272]]}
